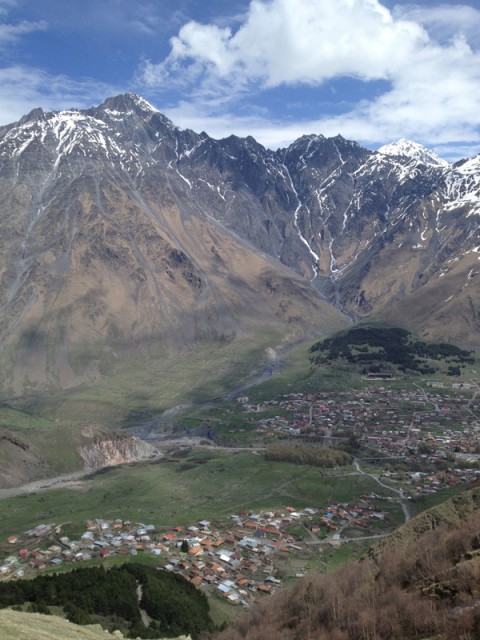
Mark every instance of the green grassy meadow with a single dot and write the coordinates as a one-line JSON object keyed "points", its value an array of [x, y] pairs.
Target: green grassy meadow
{"points": [[153, 382], [207, 484], [204, 484]]}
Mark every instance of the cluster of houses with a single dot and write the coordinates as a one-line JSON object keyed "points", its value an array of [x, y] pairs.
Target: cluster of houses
{"points": [[423, 483], [237, 559], [416, 424], [240, 559], [380, 413]]}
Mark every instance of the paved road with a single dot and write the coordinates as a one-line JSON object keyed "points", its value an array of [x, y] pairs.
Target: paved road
{"points": [[315, 540]]}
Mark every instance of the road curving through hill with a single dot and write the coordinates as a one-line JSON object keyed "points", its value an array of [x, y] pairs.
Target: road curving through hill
{"points": [[402, 500]]}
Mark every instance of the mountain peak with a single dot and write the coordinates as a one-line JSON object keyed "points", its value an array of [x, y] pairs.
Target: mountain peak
{"points": [[127, 102], [117, 109], [35, 114], [409, 149], [469, 165]]}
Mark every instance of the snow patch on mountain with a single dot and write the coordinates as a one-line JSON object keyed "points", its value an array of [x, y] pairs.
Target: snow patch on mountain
{"points": [[463, 186], [414, 151], [469, 167]]}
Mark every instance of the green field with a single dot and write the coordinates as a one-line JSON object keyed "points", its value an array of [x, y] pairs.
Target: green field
{"points": [[205, 485]]}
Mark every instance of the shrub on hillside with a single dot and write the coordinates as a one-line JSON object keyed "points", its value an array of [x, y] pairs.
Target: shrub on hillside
{"points": [[427, 588], [313, 455]]}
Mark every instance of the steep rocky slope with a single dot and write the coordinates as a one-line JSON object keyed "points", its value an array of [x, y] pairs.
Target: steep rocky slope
{"points": [[391, 226], [106, 250], [123, 233]]}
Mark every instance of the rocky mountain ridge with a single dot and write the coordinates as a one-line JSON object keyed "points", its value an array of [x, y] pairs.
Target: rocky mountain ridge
{"points": [[119, 228]]}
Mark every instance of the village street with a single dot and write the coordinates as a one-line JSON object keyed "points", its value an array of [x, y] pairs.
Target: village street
{"points": [[401, 497]]}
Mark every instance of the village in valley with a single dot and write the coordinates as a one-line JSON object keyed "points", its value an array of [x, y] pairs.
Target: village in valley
{"points": [[238, 559], [411, 442], [427, 438]]}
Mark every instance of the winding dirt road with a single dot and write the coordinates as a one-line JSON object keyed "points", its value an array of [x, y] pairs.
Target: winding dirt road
{"points": [[66, 481], [402, 500]]}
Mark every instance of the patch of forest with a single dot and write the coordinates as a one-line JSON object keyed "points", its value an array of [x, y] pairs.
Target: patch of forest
{"points": [[428, 587], [378, 348], [316, 456], [95, 595]]}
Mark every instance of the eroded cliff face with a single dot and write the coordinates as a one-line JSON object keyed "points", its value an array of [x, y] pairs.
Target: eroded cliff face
{"points": [[116, 449]]}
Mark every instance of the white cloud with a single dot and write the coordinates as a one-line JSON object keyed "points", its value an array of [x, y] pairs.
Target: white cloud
{"points": [[10, 33], [307, 41], [444, 21], [24, 88], [6, 5], [429, 58]]}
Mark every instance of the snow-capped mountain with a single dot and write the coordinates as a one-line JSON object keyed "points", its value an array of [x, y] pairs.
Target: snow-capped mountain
{"points": [[416, 152], [119, 228]]}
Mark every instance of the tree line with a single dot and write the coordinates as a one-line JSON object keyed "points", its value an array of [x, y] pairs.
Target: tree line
{"points": [[110, 596]]}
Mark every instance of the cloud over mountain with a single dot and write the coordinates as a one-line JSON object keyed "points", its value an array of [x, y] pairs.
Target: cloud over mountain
{"points": [[426, 65]]}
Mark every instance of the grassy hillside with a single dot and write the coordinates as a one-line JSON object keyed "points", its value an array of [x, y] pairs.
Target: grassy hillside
{"points": [[150, 382], [16, 625], [451, 513], [205, 484], [148, 386], [34, 446]]}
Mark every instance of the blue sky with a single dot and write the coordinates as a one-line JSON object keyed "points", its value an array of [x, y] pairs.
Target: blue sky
{"points": [[371, 70]]}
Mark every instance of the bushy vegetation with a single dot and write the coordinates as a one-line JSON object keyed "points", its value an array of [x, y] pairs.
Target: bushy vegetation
{"points": [[303, 454], [425, 589], [81, 592], [377, 347], [174, 604]]}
